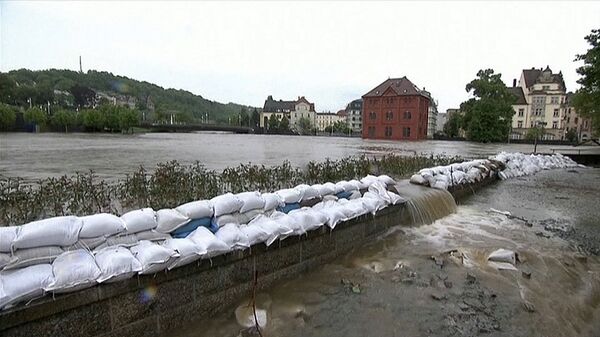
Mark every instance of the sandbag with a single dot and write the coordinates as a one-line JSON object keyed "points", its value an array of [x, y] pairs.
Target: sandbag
{"points": [[72, 271], [359, 185], [307, 192], [250, 201], [103, 224], [346, 186], [336, 188], [191, 226], [386, 180], [24, 284], [188, 252], [58, 231], [308, 219], [7, 236], [139, 220], [116, 264], [169, 220], [233, 237], [272, 201], [196, 209], [30, 256], [273, 229], [324, 190], [152, 235], [153, 257], [255, 234], [503, 255], [126, 240], [290, 195], [355, 195], [418, 179], [369, 180], [207, 242], [286, 208], [288, 221], [395, 199], [372, 197], [226, 204], [4, 260]]}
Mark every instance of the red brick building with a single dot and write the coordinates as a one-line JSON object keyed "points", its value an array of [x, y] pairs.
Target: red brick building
{"points": [[395, 110]]}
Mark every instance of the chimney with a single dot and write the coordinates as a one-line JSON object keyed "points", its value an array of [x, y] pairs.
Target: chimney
{"points": [[514, 82]]}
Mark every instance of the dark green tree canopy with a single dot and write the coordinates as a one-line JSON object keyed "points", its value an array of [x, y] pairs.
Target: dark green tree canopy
{"points": [[587, 99]]}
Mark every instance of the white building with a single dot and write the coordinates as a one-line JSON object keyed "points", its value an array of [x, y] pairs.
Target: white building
{"points": [[292, 110], [441, 121], [354, 115], [325, 119]]}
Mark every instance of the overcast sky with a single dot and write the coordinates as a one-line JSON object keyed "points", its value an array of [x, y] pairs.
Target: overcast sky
{"points": [[330, 52]]}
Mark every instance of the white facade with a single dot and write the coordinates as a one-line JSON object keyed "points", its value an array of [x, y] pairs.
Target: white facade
{"points": [[323, 120], [302, 110], [354, 115]]}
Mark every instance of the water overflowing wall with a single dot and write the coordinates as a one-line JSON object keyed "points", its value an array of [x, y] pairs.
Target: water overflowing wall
{"points": [[155, 305]]}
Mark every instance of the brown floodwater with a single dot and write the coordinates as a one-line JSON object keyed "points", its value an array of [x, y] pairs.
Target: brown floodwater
{"points": [[435, 279]]}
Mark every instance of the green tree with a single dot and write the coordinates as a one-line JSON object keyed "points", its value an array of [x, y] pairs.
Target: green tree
{"points": [[255, 119], [304, 126], [35, 116], [64, 119], [93, 120], [128, 118], [7, 117], [534, 133], [273, 123], [7, 89], [571, 136], [244, 118], [487, 116], [587, 98], [284, 125], [452, 126]]}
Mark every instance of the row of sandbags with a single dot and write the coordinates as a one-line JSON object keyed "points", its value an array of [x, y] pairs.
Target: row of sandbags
{"points": [[519, 164], [56, 261], [468, 172]]}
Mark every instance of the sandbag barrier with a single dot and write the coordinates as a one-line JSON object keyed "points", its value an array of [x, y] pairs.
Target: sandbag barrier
{"points": [[503, 165], [70, 253]]}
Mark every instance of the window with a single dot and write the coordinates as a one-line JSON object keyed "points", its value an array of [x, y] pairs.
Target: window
{"points": [[538, 112], [545, 87], [388, 131], [576, 120], [555, 112], [585, 124], [407, 115], [372, 115], [539, 100], [371, 132], [521, 112], [568, 119], [520, 124], [554, 100], [555, 125], [405, 132], [389, 115]]}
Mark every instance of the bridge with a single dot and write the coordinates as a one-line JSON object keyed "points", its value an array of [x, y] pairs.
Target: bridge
{"points": [[196, 127]]}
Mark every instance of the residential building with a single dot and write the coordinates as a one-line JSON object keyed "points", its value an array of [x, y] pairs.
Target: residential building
{"points": [[441, 121], [292, 110], [541, 102], [432, 115], [396, 110], [325, 119], [582, 126], [354, 111]]}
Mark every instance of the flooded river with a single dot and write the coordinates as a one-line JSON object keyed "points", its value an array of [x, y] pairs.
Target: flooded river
{"points": [[53, 154], [435, 280]]}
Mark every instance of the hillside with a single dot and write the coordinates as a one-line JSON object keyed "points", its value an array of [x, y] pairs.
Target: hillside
{"points": [[57, 86]]}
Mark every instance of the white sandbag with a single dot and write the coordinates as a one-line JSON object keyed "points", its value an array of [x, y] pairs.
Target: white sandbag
{"points": [[418, 179], [440, 185], [125, 240], [139, 220], [196, 209], [503, 255], [153, 257], [359, 185], [375, 198], [369, 179], [356, 207], [88, 244], [30, 256], [116, 264], [355, 195], [152, 235], [346, 186], [4, 260], [502, 265], [395, 199], [233, 237], [58, 231], [387, 180], [330, 198], [336, 188], [24, 284], [226, 204], [273, 229], [371, 204], [272, 201], [227, 218], [379, 189], [188, 252], [169, 220], [290, 195], [307, 192], [246, 217], [102, 224], [7, 236], [308, 218], [255, 234], [458, 177], [324, 190], [334, 216], [250, 201], [207, 242], [288, 221], [72, 271]]}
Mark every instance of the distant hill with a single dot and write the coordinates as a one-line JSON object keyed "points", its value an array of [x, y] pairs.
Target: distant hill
{"points": [[57, 86]]}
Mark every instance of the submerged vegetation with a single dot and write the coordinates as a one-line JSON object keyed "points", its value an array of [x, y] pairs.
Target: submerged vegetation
{"points": [[173, 183]]}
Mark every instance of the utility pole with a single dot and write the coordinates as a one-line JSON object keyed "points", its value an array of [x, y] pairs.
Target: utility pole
{"points": [[80, 67]]}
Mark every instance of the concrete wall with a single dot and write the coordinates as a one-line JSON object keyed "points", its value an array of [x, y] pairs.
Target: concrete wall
{"points": [[191, 292]]}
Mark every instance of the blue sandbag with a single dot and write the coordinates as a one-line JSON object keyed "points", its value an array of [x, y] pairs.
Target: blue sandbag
{"points": [[191, 226], [288, 207], [343, 195]]}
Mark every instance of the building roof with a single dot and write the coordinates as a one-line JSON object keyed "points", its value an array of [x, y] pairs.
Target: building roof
{"points": [[342, 113], [401, 87], [518, 92], [533, 76], [272, 105]]}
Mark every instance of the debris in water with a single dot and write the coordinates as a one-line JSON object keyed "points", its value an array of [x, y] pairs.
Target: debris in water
{"points": [[503, 255], [438, 297], [356, 289], [502, 265], [245, 316], [528, 306], [526, 274], [471, 278]]}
